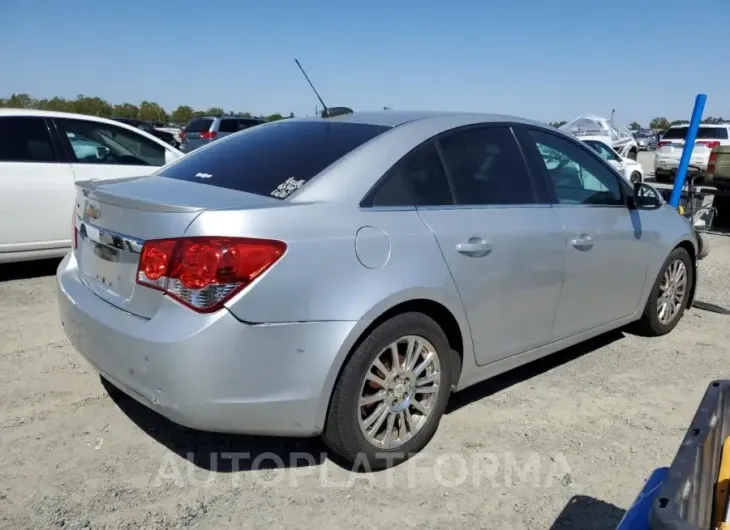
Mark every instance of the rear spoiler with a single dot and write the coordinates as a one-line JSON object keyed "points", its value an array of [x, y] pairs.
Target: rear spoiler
{"points": [[102, 191]]}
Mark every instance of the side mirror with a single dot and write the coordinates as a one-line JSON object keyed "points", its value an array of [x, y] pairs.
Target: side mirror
{"points": [[102, 152], [646, 198]]}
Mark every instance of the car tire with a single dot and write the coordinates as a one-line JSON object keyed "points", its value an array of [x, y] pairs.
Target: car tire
{"points": [[635, 177], [661, 178], [703, 244], [650, 324], [345, 431]]}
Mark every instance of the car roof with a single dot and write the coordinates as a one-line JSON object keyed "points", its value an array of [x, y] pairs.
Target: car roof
{"points": [[701, 125], [395, 118]]}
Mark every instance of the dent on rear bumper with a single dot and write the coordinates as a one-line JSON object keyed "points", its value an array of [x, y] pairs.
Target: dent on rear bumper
{"points": [[209, 372]]}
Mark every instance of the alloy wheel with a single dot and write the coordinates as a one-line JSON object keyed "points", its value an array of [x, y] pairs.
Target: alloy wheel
{"points": [[672, 292], [399, 392]]}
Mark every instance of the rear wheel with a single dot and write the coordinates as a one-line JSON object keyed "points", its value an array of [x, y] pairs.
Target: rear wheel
{"points": [[662, 178], [392, 392], [632, 154], [669, 295]]}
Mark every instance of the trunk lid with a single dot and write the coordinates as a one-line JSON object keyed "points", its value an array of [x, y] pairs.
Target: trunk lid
{"points": [[114, 218]]}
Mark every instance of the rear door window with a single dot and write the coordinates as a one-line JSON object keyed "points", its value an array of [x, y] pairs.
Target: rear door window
{"points": [[198, 125], [25, 139], [228, 126], [276, 159]]}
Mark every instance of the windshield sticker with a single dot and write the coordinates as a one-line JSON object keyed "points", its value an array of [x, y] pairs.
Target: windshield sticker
{"points": [[203, 175], [287, 188]]}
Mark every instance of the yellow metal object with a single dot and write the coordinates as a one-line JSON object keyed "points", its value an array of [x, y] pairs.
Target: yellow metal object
{"points": [[680, 209], [722, 488]]}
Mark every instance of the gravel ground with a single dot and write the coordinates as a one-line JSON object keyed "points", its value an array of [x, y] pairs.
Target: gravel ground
{"points": [[564, 443]]}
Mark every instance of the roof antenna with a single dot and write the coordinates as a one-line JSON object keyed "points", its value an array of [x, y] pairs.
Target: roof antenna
{"points": [[326, 112]]}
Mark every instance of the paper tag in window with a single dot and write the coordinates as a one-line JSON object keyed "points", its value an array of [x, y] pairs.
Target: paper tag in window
{"points": [[287, 188]]}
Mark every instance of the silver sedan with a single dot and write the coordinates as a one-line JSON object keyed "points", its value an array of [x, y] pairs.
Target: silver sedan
{"points": [[344, 276]]}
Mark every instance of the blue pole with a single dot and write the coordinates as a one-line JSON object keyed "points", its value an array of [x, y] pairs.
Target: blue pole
{"points": [[689, 143]]}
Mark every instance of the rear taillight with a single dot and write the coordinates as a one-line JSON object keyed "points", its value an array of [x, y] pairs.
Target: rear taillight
{"points": [[663, 143], [182, 135], [711, 162], [708, 143], [203, 273], [208, 135]]}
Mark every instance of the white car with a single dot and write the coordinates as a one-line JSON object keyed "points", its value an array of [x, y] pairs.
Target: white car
{"points": [[42, 155], [630, 169], [590, 127], [670, 147]]}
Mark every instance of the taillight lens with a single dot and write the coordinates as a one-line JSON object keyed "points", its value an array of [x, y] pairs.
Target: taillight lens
{"points": [[208, 135], [711, 162], [709, 143], [663, 143], [204, 272]]}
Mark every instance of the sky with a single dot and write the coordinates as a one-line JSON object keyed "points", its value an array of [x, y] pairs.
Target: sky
{"points": [[546, 60]]}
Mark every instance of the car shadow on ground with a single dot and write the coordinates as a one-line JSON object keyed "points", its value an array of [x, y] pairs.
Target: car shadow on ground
{"points": [[587, 513], [212, 451], [28, 270], [523, 373]]}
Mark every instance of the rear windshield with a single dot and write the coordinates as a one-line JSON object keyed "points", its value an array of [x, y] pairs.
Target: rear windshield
{"points": [[705, 133], [275, 159], [198, 125]]}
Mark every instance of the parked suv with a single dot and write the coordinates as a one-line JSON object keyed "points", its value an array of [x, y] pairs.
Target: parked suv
{"points": [[670, 148], [201, 131]]}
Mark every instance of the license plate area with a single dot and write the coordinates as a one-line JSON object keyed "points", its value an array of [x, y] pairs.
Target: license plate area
{"points": [[108, 262]]}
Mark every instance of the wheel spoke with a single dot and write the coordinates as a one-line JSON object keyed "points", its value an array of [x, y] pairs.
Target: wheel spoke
{"points": [[377, 413], [421, 367], [372, 398], [375, 379], [394, 359], [389, 428]]}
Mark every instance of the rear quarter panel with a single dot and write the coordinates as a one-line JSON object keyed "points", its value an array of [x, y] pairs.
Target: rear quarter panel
{"points": [[342, 263]]}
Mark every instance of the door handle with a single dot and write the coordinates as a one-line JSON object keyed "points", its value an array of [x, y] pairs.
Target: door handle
{"points": [[584, 242], [476, 248]]}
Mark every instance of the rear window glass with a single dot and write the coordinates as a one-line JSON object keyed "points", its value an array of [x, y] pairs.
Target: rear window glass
{"points": [[706, 133], [276, 159], [228, 126], [198, 125]]}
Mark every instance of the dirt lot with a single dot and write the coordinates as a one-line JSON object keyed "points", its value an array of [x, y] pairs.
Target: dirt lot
{"points": [[564, 443]]}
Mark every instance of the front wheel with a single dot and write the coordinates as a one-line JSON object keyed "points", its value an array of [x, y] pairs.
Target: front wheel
{"points": [[391, 394], [635, 177], [632, 155], [669, 295]]}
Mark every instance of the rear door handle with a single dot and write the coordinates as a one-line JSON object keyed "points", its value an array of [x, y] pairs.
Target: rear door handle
{"points": [[475, 248], [584, 242]]}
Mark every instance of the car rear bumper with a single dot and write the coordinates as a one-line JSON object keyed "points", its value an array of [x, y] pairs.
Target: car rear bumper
{"points": [[208, 372]]}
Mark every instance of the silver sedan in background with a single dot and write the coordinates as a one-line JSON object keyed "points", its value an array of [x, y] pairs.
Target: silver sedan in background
{"points": [[344, 276]]}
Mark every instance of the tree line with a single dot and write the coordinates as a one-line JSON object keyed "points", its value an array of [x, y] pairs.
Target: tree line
{"points": [[660, 123], [154, 112], [146, 110]]}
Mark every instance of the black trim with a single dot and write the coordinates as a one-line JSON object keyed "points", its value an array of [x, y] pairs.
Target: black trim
{"points": [[64, 147]]}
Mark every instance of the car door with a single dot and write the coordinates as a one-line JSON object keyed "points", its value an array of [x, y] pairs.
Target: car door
{"points": [[608, 249], [504, 247], [36, 187], [99, 150]]}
